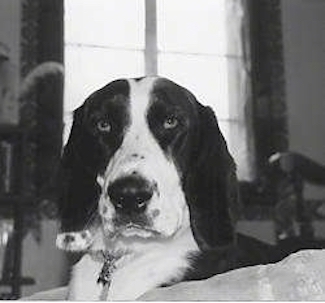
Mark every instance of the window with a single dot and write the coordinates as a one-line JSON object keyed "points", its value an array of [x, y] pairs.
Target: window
{"points": [[188, 41]]}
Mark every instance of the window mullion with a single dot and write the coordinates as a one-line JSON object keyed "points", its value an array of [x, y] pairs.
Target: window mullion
{"points": [[150, 53]]}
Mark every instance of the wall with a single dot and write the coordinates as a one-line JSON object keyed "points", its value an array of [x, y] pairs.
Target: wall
{"points": [[304, 55], [43, 261]]}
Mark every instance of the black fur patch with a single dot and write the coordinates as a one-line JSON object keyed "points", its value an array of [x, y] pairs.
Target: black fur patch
{"points": [[201, 155], [89, 150], [170, 101]]}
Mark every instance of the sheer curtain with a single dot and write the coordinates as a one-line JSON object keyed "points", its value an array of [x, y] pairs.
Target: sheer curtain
{"points": [[240, 128], [197, 43]]}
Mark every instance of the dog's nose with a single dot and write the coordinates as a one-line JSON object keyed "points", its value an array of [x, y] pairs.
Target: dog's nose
{"points": [[130, 194]]}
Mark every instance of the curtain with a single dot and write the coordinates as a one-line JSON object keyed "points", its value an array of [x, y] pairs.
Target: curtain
{"points": [[240, 137]]}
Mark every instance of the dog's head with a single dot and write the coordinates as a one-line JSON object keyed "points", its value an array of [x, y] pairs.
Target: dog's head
{"points": [[147, 157]]}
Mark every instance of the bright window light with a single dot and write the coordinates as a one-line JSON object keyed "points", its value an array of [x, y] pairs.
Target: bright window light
{"points": [[104, 40], [112, 23], [192, 26]]}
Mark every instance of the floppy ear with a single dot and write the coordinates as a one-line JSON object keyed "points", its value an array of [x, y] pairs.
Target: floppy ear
{"points": [[78, 189], [211, 185]]}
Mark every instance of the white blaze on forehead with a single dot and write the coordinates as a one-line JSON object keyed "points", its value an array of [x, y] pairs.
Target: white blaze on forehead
{"points": [[138, 139], [140, 92]]}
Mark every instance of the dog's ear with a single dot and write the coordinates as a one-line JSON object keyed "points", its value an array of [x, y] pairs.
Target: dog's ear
{"points": [[211, 185], [78, 190]]}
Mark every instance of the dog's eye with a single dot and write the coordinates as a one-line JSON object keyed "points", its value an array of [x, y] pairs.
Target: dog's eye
{"points": [[170, 122], [104, 126]]}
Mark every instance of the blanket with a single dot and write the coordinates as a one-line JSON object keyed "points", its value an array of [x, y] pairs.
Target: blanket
{"points": [[301, 276]]}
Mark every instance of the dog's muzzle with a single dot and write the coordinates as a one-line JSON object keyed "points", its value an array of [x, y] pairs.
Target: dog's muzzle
{"points": [[130, 195]]}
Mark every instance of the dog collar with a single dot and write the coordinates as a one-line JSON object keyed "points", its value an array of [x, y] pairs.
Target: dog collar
{"points": [[109, 265]]}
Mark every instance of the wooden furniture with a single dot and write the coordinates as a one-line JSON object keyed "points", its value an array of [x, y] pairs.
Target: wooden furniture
{"points": [[13, 202], [290, 172]]}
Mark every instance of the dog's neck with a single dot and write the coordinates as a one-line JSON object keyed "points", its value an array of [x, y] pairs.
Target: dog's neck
{"points": [[133, 273], [109, 262]]}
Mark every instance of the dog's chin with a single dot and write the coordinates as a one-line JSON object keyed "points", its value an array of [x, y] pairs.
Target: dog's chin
{"points": [[138, 231], [132, 230]]}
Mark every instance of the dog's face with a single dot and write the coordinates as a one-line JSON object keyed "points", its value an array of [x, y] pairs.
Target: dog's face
{"points": [[139, 128], [135, 152]]}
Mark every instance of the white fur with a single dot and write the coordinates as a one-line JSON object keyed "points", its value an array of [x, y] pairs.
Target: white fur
{"points": [[150, 257], [146, 267]]}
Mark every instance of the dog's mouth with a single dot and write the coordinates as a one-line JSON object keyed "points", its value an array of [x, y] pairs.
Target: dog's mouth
{"points": [[131, 230], [136, 230]]}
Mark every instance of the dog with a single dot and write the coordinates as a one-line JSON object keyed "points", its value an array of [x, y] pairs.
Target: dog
{"points": [[149, 190]]}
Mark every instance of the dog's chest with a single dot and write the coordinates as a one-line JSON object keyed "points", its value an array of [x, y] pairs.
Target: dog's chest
{"points": [[130, 277]]}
